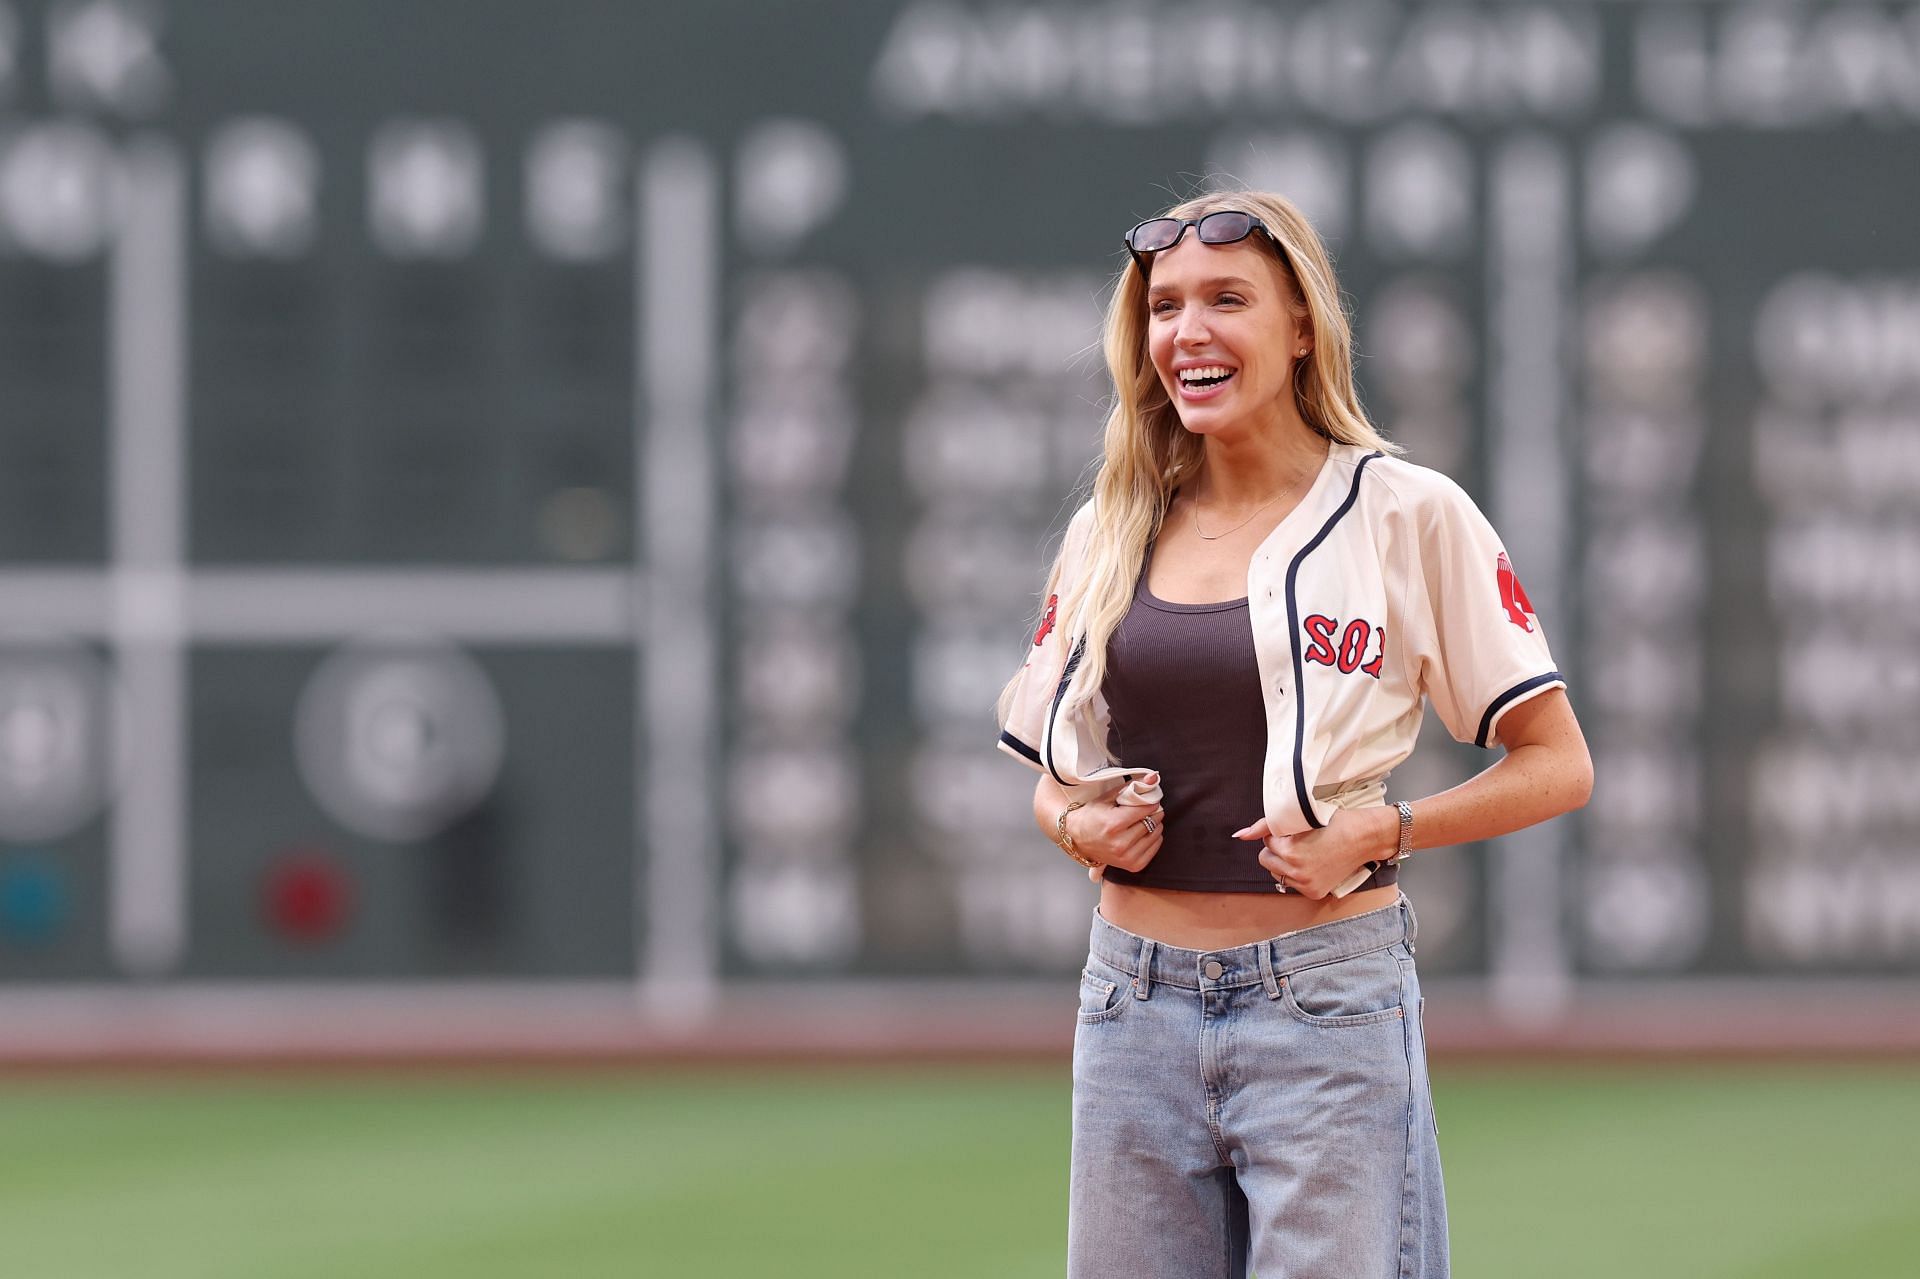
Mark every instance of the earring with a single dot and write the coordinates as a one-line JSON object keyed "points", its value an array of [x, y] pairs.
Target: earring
{"points": [[1303, 350]]}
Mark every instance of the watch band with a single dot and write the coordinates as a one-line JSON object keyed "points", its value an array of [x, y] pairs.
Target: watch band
{"points": [[1406, 831], [1066, 841]]}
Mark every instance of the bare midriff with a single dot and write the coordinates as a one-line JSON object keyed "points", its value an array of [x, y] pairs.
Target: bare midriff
{"points": [[1212, 921]]}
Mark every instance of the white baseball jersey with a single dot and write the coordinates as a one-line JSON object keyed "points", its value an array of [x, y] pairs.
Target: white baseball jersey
{"points": [[1385, 585]]}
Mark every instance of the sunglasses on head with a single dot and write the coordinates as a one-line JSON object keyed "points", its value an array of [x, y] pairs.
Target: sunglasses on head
{"points": [[1224, 226]]}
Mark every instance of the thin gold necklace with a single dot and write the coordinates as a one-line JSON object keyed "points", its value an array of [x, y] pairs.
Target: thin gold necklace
{"points": [[1312, 470]]}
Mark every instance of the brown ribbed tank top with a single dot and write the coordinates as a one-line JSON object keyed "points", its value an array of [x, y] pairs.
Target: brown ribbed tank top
{"points": [[1183, 691]]}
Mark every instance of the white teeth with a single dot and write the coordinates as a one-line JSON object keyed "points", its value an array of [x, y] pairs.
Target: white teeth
{"points": [[1210, 371]]}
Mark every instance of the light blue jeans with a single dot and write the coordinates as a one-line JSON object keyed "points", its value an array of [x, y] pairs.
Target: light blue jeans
{"points": [[1262, 1108]]}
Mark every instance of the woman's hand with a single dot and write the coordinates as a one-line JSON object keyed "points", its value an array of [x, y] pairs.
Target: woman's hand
{"points": [[1116, 834], [1315, 862]]}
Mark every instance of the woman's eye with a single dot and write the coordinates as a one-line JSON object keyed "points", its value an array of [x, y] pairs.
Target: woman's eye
{"points": [[1162, 307], [1230, 299]]}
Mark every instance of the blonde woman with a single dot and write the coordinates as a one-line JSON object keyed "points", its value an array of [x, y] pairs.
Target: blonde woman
{"points": [[1235, 646]]}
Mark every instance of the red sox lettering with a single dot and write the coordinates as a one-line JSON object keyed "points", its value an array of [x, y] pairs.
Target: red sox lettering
{"points": [[1355, 641]]}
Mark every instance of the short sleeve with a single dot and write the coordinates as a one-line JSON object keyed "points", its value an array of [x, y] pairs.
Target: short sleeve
{"points": [[1045, 665], [1478, 648]]}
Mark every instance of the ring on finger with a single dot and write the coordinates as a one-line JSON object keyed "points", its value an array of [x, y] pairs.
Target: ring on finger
{"points": [[1148, 823]]}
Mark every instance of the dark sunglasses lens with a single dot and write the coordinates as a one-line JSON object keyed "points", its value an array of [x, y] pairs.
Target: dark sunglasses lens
{"points": [[1224, 227], [1154, 235]]}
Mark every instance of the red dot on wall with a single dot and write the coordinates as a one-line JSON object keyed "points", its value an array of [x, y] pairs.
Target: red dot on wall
{"points": [[308, 897]]}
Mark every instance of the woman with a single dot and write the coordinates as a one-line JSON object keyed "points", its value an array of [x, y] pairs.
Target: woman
{"points": [[1238, 635]]}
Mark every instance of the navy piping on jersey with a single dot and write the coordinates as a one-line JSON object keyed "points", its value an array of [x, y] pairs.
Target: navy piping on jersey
{"points": [[1053, 712], [1025, 750], [1506, 699], [1293, 640]]}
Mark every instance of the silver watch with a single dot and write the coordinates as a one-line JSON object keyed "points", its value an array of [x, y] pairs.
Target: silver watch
{"points": [[1406, 831]]}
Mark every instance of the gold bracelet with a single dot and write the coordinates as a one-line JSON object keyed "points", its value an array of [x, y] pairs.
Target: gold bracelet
{"points": [[1066, 841]]}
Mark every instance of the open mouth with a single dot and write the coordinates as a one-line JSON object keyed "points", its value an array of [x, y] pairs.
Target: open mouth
{"points": [[1206, 377]]}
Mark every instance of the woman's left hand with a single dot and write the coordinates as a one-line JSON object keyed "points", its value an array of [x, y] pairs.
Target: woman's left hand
{"points": [[1315, 862]]}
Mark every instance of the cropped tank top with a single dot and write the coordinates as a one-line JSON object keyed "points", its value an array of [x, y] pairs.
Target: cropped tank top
{"points": [[1182, 685]]}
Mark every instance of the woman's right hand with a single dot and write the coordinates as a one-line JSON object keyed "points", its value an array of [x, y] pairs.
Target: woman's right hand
{"points": [[1116, 834]]}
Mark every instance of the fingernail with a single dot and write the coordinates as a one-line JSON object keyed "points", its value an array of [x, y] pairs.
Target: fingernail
{"points": [[1241, 833]]}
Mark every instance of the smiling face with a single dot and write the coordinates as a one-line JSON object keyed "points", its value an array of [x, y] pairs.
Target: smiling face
{"points": [[1223, 332]]}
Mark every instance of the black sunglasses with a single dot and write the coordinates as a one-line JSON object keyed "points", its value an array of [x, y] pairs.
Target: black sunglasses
{"points": [[1223, 226]]}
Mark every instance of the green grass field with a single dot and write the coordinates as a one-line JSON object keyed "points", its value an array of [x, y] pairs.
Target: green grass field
{"points": [[1760, 1173]]}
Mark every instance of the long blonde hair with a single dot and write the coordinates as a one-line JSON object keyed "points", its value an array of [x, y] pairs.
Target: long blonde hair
{"points": [[1147, 452]]}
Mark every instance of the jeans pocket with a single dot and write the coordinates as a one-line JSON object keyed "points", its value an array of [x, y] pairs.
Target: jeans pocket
{"points": [[1099, 998], [1359, 990]]}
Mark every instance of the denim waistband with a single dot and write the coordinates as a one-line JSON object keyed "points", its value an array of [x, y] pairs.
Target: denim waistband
{"points": [[1256, 962]]}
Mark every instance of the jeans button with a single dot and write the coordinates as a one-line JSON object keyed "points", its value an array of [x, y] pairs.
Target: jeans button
{"points": [[1213, 969]]}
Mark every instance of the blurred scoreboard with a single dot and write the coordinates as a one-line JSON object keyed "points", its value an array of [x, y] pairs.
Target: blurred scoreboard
{"points": [[501, 492]]}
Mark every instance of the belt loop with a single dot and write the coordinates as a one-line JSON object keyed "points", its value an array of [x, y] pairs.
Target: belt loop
{"points": [[1143, 983], [1266, 970]]}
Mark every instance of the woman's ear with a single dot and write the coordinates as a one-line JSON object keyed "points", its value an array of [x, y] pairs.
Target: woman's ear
{"points": [[1302, 322], [1302, 318]]}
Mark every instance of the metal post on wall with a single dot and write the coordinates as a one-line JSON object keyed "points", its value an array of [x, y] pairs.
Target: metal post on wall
{"points": [[676, 840], [147, 457], [1530, 292]]}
